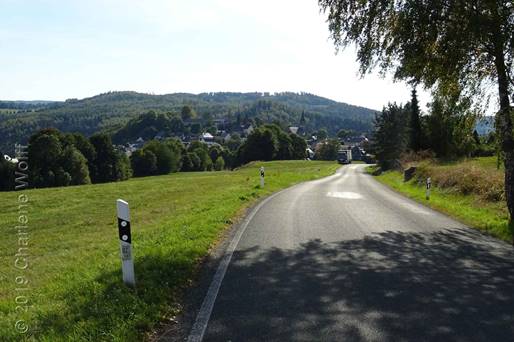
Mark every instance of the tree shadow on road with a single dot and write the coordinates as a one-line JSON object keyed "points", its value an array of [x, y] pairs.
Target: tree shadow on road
{"points": [[450, 285]]}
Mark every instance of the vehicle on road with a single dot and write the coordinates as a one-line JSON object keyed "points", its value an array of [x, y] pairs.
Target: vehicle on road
{"points": [[344, 156]]}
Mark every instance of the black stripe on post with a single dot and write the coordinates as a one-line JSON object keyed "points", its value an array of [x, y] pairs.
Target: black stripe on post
{"points": [[124, 230]]}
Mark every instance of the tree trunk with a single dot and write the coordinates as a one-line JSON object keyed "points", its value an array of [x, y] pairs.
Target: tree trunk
{"points": [[509, 189], [505, 131]]}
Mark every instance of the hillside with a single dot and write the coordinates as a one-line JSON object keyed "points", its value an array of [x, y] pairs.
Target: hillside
{"points": [[110, 111]]}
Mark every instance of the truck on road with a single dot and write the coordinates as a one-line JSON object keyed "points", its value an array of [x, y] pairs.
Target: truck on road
{"points": [[344, 156]]}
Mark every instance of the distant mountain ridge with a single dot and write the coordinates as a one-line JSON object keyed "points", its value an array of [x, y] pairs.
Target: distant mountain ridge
{"points": [[16, 103], [110, 111]]}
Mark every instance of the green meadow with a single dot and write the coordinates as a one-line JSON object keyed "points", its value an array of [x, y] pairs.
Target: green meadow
{"points": [[72, 284]]}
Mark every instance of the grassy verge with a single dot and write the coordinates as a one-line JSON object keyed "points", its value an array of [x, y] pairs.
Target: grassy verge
{"points": [[473, 210], [74, 278], [485, 163]]}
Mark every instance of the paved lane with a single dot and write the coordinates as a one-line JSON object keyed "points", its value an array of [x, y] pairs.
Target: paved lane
{"points": [[346, 259]]}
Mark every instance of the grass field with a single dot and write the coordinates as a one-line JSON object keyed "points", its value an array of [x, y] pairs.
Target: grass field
{"points": [[74, 287], [460, 193]]}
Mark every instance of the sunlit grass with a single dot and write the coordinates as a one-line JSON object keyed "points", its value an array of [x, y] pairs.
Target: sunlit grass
{"points": [[488, 163], [74, 274]]}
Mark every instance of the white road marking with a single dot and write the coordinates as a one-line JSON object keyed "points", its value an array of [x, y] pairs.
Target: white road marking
{"points": [[202, 319], [345, 195]]}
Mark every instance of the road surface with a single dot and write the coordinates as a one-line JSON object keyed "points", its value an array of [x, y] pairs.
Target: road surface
{"points": [[346, 259]]}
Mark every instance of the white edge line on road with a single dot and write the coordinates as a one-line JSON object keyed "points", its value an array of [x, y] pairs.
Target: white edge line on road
{"points": [[202, 319]]}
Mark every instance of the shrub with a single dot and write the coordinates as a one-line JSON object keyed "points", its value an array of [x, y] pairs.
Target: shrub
{"points": [[219, 164], [144, 163], [191, 162], [167, 159]]}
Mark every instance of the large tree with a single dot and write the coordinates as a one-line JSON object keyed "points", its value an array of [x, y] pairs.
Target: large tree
{"points": [[437, 43], [285, 149], [187, 113], [390, 137], [261, 144], [107, 165], [299, 147], [143, 162], [450, 126], [416, 139], [327, 150], [55, 161], [74, 162], [167, 160]]}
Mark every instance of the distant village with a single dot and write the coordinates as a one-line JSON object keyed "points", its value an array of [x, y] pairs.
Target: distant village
{"points": [[222, 136]]}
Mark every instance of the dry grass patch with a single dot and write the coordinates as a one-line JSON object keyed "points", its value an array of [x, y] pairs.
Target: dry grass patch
{"points": [[466, 177]]}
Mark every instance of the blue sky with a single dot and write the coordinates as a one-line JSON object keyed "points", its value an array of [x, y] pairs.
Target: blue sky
{"points": [[54, 50]]}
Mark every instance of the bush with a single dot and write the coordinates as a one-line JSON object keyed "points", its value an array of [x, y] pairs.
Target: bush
{"points": [[106, 162], [299, 146], [76, 165], [230, 158], [144, 163], [261, 144], [205, 159], [219, 164], [167, 159], [55, 159], [178, 149], [122, 167], [191, 162]]}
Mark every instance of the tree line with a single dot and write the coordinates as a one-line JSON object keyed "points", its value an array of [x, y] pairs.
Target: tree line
{"points": [[447, 132], [63, 159]]}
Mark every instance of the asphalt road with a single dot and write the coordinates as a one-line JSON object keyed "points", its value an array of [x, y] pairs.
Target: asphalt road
{"points": [[346, 259]]}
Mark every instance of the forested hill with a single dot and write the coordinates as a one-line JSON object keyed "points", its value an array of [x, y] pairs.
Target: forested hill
{"points": [[110, 111]]}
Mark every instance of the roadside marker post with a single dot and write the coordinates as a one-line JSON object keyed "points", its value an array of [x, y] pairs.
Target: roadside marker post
{"points": [[127, 262], [262, 176], [10, 160], [429, 185]]}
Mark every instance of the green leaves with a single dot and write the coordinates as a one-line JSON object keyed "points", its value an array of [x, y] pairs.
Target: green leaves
{"points": [[390, 136], [431, 41]]}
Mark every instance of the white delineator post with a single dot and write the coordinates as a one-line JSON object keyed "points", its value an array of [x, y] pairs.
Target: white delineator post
{"points": [[127, 262], [262, 176], [429, 185]]}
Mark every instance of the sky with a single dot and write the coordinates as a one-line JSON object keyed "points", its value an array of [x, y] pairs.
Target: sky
{"points": [[54, 50]]}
